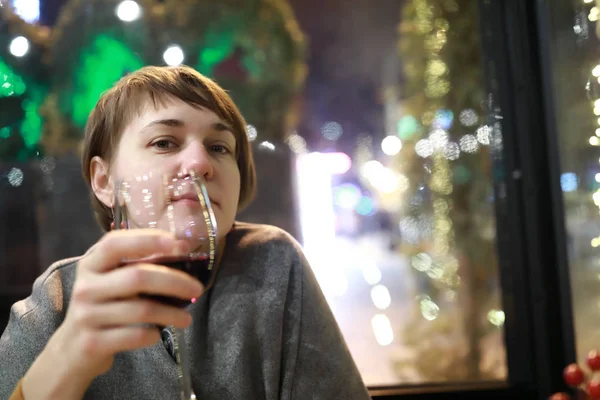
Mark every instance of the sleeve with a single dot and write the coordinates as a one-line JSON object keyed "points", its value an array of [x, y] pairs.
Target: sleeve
{"points": [[316, 361], [31, 323]]}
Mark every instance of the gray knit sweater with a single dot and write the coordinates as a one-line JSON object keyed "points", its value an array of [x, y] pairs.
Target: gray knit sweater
{"points": [[263, 331]]}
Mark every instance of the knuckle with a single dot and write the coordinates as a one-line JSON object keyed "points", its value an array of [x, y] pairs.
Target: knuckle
{"points": [[145, 310], [137, 277], [106, 241], [90, 345], [79, 316], [82, 291]]}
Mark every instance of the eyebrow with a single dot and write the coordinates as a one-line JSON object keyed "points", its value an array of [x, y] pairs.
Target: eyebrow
{"points": [[220, 126]]}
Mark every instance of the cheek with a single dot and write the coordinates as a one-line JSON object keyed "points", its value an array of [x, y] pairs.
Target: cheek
{"points": [[231, 180]]}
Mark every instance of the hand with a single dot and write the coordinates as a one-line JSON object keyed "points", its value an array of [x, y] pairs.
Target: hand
{"points": [[105, 312]]}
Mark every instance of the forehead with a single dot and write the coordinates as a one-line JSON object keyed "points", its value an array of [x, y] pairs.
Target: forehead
{"points": [[149, 110]]}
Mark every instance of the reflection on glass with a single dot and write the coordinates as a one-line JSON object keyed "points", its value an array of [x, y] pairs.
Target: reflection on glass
{"points": [[576, 72]]}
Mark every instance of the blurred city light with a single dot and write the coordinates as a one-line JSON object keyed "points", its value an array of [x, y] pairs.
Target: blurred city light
{"points": [[19, 46], [173, 56], [128, 11]]}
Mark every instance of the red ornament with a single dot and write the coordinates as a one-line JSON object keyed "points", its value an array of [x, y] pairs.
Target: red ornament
{"points": [[573, 375], [593, 389], [593, 360], [560, 396]]}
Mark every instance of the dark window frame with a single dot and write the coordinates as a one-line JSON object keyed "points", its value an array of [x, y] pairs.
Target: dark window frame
{"points": [[531, 236]]}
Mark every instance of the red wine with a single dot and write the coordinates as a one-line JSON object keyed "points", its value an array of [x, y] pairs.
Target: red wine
{"points": [[196, 267]]}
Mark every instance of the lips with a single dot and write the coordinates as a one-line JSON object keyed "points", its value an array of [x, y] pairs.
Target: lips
{"points": [[191, 197], [186, 196]]}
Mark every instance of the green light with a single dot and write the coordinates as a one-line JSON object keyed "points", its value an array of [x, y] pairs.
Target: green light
{"points": [[219, 46], [11, 84], [5, 132], [31, 127], [462, 175], [408, 126], [103, 63]]}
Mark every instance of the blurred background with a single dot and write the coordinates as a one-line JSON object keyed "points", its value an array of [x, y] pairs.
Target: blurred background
{"points": [[374, 137]]}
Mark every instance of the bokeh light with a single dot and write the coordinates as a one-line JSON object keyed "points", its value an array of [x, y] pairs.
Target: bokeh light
{"points": [[429, 310], [128, 11], [296, 143], [28, 10], [365, 206], [15, 177], [468, 117], [443, 119], [569, 182], [424, 148], [347, 196], [332, 130], [371, 273], [380, 295], [452, 151], [251, 132], [496, 318], [266, 145], [408, 126], [438, 138], [422, 262], [391, 145], [483, 135], [384, 334], [174, 55], [469, 144], [19, 46]]}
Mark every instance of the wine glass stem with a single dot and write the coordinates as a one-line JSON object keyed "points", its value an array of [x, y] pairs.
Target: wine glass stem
{"points": [[185, 381]]}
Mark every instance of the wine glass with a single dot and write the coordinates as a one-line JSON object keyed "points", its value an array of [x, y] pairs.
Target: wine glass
{"points": [[178, 204]]}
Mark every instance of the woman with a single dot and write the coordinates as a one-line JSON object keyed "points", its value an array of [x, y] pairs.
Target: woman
{"points": [[263, 331]]}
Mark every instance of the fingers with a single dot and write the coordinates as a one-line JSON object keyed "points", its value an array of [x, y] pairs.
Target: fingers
{"points": [[120, 245], [133, 280], [105, 342], [132, 312]]}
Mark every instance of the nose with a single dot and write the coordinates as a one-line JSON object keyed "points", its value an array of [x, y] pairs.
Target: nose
{"points": [[195, 158]]}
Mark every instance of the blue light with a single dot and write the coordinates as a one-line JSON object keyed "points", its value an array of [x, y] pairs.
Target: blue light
{"points": [[365, 206], [443, 119], [569, 182], [28, 10]]}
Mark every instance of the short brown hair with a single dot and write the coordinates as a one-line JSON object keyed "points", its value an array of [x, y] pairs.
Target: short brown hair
{"points": [[127, 98]]}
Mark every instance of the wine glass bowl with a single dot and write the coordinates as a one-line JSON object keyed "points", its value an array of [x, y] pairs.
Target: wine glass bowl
{"points": [[178, 204]]}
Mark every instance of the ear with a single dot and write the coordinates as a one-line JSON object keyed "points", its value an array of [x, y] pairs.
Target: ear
{"points": [[102, 185]]}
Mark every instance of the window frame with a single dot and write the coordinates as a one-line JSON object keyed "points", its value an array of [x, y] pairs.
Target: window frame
{"points": [[531, 236]]}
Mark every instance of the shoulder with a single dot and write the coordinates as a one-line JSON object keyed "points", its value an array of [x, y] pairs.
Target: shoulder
{"points": [[263, 237], [51, 290], [261, 251]]}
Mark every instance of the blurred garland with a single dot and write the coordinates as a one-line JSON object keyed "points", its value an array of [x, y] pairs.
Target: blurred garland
{"points": [[254, 49], [453, 252], [21, 89]]}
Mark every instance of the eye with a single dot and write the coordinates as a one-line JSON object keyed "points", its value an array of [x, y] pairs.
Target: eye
{"points": [[163, 144], [219, 148]]}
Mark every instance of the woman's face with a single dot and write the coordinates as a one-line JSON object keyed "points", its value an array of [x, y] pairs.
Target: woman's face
{"points": [[176, 139]]}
